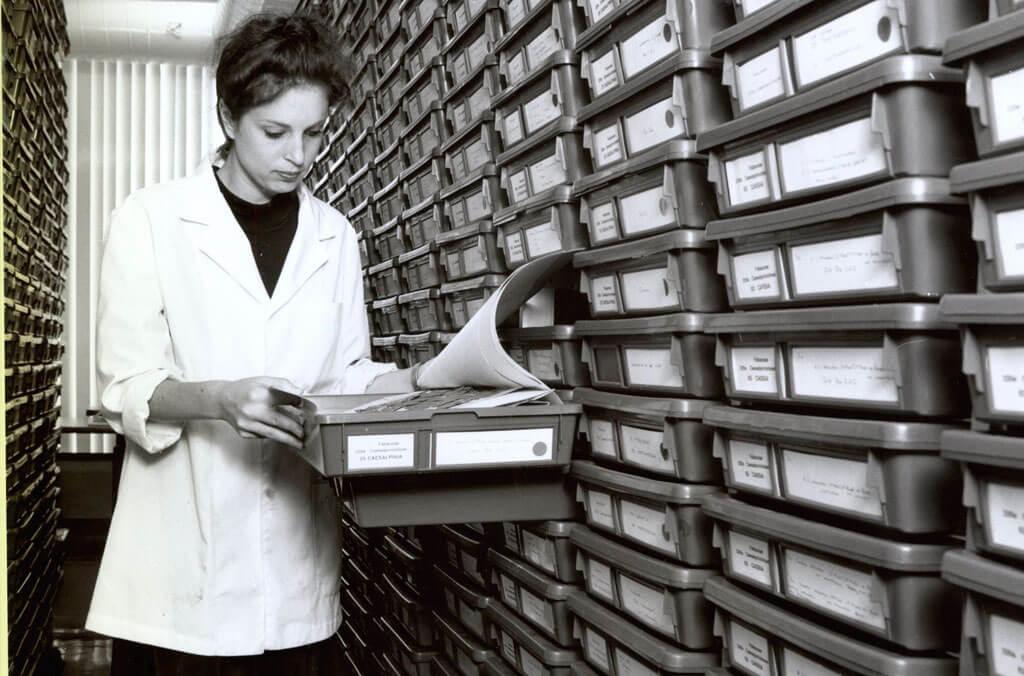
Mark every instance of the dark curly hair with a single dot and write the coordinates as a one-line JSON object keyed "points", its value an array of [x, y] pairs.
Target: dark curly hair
{"points": [[268, 53]]}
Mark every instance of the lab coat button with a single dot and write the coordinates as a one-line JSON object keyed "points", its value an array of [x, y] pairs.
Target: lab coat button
{"points": [[268, 493]]}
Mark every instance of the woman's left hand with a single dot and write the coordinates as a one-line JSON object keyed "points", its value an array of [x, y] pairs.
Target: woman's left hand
{"points": [[396, 382]]}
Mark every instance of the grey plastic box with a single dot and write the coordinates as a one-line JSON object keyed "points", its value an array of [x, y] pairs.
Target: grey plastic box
{"points": [[463, 298], [798, 45], [422, 137], [799, 149], [390, 162], [462, 13], [405, 563], [389, 125], [523, 647], [362, 184], [471, 150], [388, 17], [389, 88], [670, 272], [466, 552], [467, 653], [660, 516], [534, 596], [390, 50], [423, 310], [385, 349], [389, 319], [540, 226], [472, 47], [901, 240], [536, 168], [696, 22], [389, 240], [993, 613], [658, 191], [422, 180], [422, 347], [385, 278], [473, 199], [887, 473], [888, 588], [423, 221], [421, 268], [615, 645], [992, 328], [993, 467], [999, 8], [760, 636], [552, 354], [666, 437], [544, 545], [424, 88], [465, 103], [667, 355], [899, 358], [425, 44], [662, 597], [364, 216], [365, 82], [367, 248], [531, 42], [388, 201], [470, 250], [463, 600], [412, 660], [408, 609], [994, 187]]}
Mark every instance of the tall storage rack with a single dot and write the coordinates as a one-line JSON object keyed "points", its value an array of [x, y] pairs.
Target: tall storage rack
{"points": [[35, 233]]}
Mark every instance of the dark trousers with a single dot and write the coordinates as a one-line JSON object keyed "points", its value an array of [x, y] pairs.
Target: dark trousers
{"points": [[136, 659]]}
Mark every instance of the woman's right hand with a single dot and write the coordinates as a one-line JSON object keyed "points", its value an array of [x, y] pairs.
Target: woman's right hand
{"points": [[257, 412]]}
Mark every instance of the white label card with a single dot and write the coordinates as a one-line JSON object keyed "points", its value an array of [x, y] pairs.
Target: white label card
{"points": [[600, 8], [651, 126], [837, 589], [547, 173], [493, 446], [747, 178], [648, 290], [543, 239], [516, 68], [540, 111], [1005, 515], [537, 610], [842, 153], [607, 146], [646, 525], [519, 186], [380, 451], [755, 369], [602, 438], [1009, 227], [648, 46], [856, 37], [796, 664], [461, 17], [631, 666], [477, 52], [514, 247], [646, 210], [750, 465], [508, 592], [599, 509], [856, 373], [646, 604], [750, 559], [834, 482], [760, 79], [652, 367], [515, 11], [541, 363], [1006, 378], [596, 648], [751, 6], [1007, 114], [511, 536], [749, 651], [1007, 637], [756, 275], [599, 579], [604, 297], [843, 265], [541, 47], [603, 223], [644, 448], [508, 648], [604, 76], [539, 551], [513, 128]]}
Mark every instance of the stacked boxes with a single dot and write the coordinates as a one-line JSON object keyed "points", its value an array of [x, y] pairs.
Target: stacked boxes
{"points": [[990, 572], [35, 170]]}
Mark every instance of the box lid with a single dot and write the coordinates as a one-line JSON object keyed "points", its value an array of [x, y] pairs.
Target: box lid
{"points": [[561, 58], [901, 69], [384, 341], [817, 639], [679, 322], [561, 126], [898, 193], [387, 227], [561, 194], [664, 243], [644, 566], [646, 406], [984, 449], [417, 655], [452, 628], [889, 316], [434, 62], [490, 62], [470, 230], [486, 171], [464, 591], [991, 173], [422, 294], [583, 669], [539, 333], [541, 8], [479, 124], [984, 576], [419, 338], [555, 529], [529, 638], [417, 209], [385, 302], [677, 150], [381, 267], [983, 37], [663, 491], [989, 308], [534, 580], [418, 252], [390, 187], [668, 657], [910, 557], [416, 167], [883, 434], [482, 282]]}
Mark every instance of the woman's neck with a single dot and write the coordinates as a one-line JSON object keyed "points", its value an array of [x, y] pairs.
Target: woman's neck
{"points": [[238, 182]]}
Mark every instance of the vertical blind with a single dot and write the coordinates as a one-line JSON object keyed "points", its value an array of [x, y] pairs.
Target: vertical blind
{"points": [[129, 125]]}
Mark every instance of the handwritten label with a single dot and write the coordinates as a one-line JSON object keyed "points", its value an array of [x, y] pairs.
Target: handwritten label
{"points": [[760, 79], [461, 17], [508, 592], [607, 146], [646, 210], [493, 447], [646, 448], [604, 76], [547, 173], [515, 12], [1005, 515], [1010, 242], [1007, 637], [603, 222], [648, 46], [834, 482], [516, 68], [602, 438], [754, 369], [653, 125], [596, 648], [604, 296], [646, 604], [646, 525], [511, 536], [542, 46], [519, 186], [477, 52], [750, 558], [599, 580], [747, 179], [541, 110], [853, 264], [508, 648], [1006, 378], [600, 9], [837, 589], [530, 665], [631, 666], [473, 260], [756, 275], [599, 509], [513, 127], [541, 363], [537, 610], [648, 290], [750, 465], [380, 451], [857, 373], [476, 206], [543, 239], [749, 650], [751, 6], [843, 153], [514, 250], [539, 551], [796, 664], [1007, 113], [652, 367], [846, 42]]}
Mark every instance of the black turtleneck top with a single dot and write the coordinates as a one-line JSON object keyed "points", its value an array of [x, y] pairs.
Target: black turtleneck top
{"points": [[270, 228]]}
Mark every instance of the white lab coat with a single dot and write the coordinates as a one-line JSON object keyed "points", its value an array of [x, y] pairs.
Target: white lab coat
{"points": [[221, 545]]}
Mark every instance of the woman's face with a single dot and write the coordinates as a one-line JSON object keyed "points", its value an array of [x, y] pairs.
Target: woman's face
{"points": [[275, 143]]}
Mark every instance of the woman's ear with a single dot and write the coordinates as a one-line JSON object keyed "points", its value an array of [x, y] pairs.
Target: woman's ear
{"points": [[227, 122]]}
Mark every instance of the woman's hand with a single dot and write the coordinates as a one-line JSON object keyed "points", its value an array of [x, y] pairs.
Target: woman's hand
{"points": [[255, 411], [397, 382]]}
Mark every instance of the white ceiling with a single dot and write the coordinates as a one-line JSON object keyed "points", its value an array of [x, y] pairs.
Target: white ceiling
{"points": [[176, 31]]}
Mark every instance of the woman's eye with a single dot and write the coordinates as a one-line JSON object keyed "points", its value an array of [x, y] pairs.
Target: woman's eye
{"points": [[274, 134], [315, 134]]}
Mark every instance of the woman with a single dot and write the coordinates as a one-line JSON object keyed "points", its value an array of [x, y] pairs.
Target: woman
{"points": [[213, 290]]}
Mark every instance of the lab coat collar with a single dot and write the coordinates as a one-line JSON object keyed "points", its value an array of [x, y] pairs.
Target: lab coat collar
{"points": [[226, 244]]}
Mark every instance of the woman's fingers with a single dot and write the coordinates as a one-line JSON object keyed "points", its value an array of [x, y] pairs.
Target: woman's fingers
{"points": [[266, 431]]}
